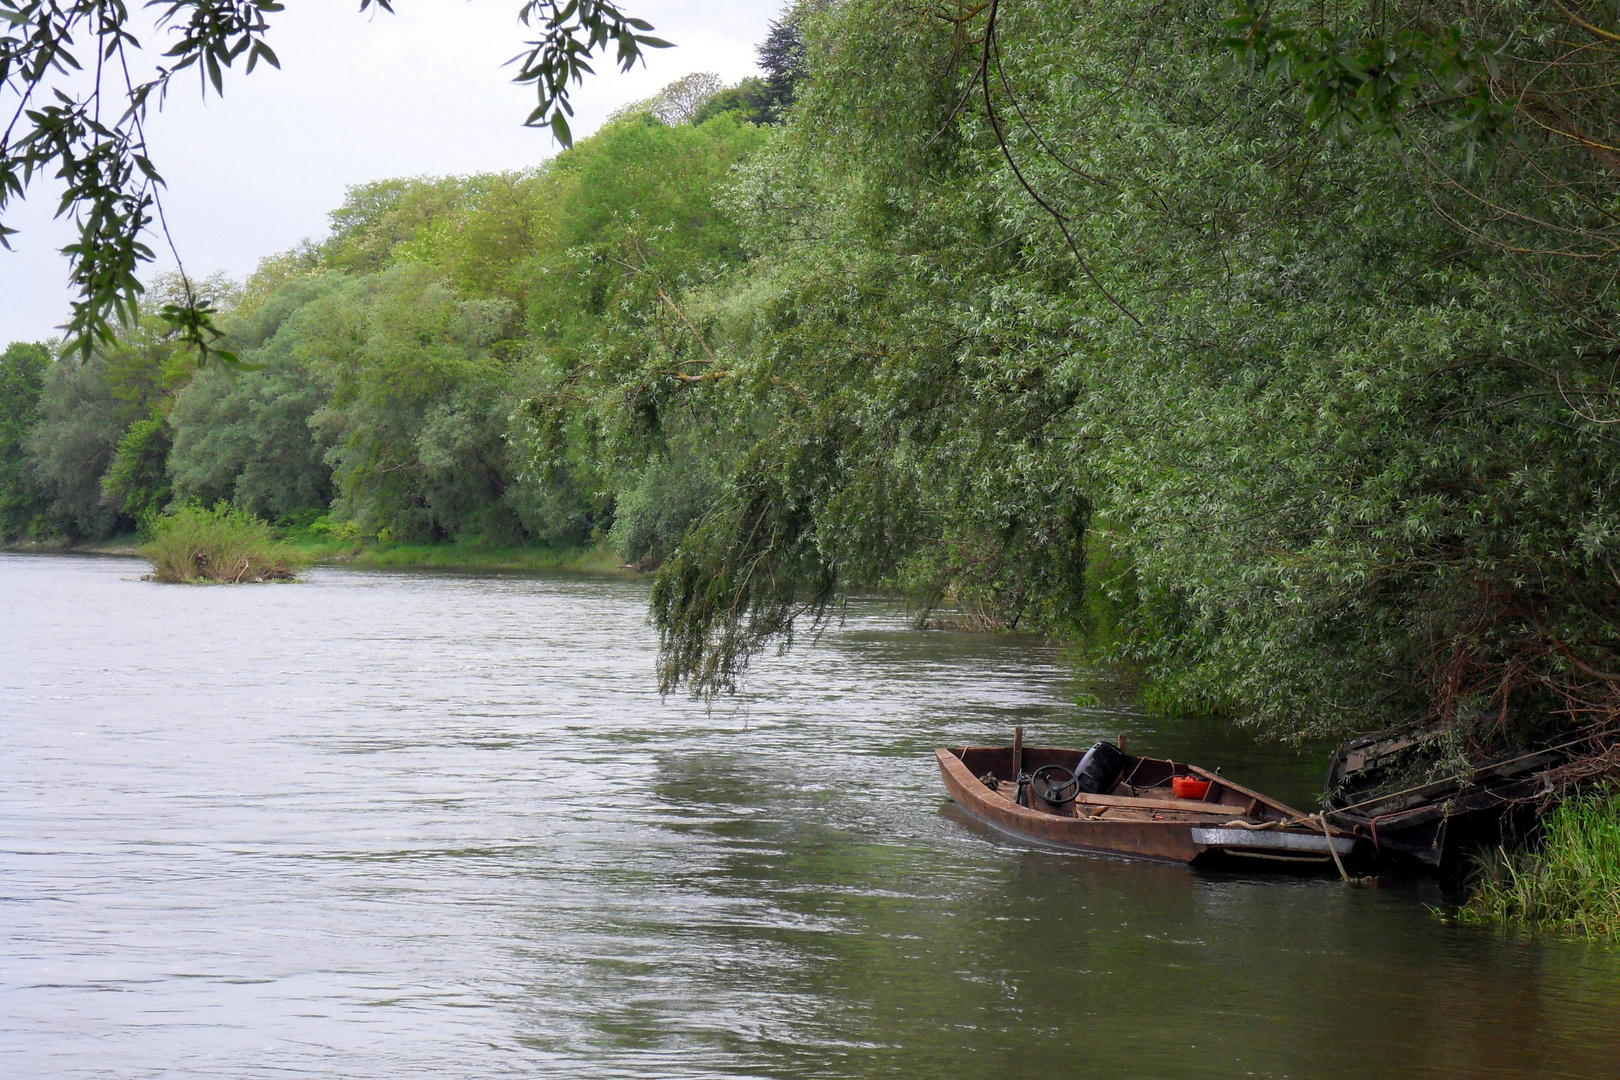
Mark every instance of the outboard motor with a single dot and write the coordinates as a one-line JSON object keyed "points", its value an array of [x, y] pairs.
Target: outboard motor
{"points": [[1099, 770]]}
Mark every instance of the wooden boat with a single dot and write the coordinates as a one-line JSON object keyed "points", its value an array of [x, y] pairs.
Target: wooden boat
{"points": [[1420, 809], [1135, 811]]}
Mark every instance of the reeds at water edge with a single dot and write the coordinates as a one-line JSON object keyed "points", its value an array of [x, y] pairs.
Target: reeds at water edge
{"points": [[1567, 879], [224, 545]]}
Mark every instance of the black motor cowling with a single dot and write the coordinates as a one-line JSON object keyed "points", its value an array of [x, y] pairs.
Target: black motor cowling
{"points": [[1099, 770]]}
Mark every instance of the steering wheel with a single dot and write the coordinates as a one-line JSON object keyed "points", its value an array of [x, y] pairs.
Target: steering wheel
{"points": [[1055, 784]]}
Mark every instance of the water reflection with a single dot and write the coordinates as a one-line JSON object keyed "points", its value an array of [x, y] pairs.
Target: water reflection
{"points": [[416, 824]]}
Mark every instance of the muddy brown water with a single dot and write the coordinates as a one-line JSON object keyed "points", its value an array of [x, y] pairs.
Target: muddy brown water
{"points": [[409, 824]]}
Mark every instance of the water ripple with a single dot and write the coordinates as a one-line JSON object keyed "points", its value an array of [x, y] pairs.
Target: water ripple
{"points": [[429, 825]]}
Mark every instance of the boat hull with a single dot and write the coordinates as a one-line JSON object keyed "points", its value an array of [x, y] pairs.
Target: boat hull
{"points": [[1175, 834]]}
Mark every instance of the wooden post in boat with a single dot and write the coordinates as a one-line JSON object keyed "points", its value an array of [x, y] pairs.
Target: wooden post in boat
{"points": [[1121, 741], [1021, 790]]}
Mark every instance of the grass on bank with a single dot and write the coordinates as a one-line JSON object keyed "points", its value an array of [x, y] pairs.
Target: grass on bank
{"points": [[465, 555], [469, 555], [316, 537], [1568, 881], [192, 543], [223, 545]]}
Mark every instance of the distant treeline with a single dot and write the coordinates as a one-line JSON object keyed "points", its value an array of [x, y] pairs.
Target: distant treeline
{"points": [[1150, 327], [383, 373]]}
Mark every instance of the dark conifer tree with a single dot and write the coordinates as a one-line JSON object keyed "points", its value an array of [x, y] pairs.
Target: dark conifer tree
{"points": [[781, 55]]}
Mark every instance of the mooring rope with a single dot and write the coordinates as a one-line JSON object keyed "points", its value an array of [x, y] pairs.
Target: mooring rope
{"points": [[1321, 819]]}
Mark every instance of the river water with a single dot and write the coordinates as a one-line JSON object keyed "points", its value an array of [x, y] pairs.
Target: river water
{"points": [[408, 824]]}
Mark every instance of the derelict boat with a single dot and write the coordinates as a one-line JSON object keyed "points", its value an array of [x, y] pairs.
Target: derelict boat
{"points": [[1105, 800], [1391, 786]]}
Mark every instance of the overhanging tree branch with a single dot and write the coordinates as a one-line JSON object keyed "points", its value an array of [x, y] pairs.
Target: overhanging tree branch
{"points": [[110, 183]]}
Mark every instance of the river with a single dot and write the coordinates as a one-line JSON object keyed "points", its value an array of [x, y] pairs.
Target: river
{"points": [[411, 824]]}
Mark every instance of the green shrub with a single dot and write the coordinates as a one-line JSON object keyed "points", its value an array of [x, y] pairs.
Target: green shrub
{"points": [[650, 518], [137, 481], [1569, 880], [23, 504], [192, 544]]}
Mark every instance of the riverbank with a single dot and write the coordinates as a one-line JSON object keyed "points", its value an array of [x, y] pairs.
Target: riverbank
{"points": [[125, 544], [460, 556], [372, 553]]}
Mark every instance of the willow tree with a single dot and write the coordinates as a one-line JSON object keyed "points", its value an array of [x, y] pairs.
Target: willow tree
{"points": [[1282, 323]]}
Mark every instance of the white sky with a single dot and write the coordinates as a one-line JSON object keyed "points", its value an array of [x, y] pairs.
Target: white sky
{"points": [[358, 98]]}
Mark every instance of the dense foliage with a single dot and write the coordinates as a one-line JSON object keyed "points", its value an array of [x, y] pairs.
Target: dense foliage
{"points": [[383, 373], [1334, 395], [1266, 351], [22, 379]]}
